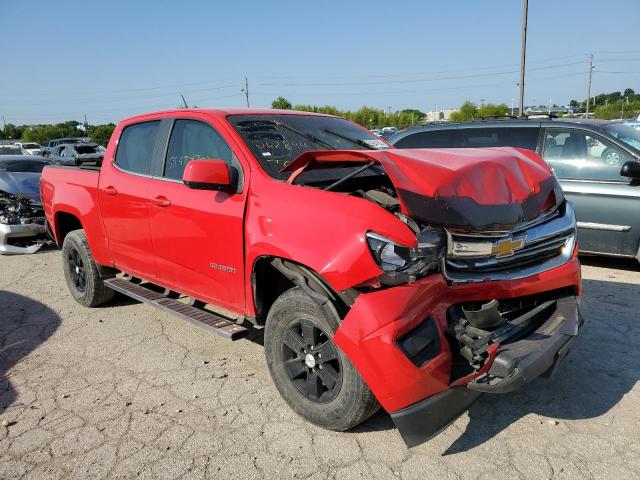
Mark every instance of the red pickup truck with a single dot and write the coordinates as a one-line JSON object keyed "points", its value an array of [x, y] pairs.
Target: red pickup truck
{"points": [[410, 279]]}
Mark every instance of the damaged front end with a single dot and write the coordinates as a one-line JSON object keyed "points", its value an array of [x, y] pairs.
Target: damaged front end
{"points": [[22, 225]]}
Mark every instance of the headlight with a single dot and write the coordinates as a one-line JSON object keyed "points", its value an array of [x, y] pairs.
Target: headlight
{"points": [[403, 264]]}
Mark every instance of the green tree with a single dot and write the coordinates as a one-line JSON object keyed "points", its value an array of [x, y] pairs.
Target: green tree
{"points": [[102, 133], [281, 103], [467, 112]]}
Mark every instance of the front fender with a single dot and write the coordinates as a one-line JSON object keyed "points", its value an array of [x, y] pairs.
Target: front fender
{"points": [[323, 230]]}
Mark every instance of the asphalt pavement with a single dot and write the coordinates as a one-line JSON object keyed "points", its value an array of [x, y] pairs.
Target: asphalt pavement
{"points": [[126, 391]]}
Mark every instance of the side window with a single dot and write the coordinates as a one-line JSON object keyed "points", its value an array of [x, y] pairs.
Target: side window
{"points": [[479, 137], [135, 147], [429, 139], [524, 137], [192, 139], [577, 155]]}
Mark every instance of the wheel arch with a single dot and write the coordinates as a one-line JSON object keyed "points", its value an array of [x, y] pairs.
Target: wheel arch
{"points": [[65, 222], [271, 276]]}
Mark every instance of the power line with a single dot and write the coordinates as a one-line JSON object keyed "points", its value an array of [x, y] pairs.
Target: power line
{"points": [[386, 82]]}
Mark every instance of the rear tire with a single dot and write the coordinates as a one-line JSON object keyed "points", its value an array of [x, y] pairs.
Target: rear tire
{"points": [[314, 377], [83, 275]]}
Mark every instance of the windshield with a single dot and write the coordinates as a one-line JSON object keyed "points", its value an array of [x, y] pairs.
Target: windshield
{"points": [[276, 140], [626, 133], [30, 145]]}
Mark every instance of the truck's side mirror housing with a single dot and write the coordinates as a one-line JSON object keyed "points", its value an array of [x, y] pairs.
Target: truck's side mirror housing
{"points": [[210, 174], [631, 169]]}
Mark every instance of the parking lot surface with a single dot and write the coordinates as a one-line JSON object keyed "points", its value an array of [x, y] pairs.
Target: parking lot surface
{"points": [[128, 391]]}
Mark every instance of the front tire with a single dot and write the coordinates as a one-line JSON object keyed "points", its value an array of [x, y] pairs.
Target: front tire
{"points": [[313, 376], [81, 272]]}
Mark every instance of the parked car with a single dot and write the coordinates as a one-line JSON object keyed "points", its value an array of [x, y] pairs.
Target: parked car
{"points": [[11, 149], [32, 148], [409, 279], [59, 141], [587, 156], [76, 153], [22, 224]]}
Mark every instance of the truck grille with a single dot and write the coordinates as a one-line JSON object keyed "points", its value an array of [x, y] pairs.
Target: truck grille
{"points": [[532, 248]]}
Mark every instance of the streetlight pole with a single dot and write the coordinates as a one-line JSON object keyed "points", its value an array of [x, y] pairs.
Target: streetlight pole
{"points": [[523, 54]]}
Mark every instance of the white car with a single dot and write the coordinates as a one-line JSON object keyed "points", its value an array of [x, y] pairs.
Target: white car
{"points": [[32, 148]]}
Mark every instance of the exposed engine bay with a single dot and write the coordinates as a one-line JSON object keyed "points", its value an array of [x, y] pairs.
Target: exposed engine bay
{"points": [[22, 225]]}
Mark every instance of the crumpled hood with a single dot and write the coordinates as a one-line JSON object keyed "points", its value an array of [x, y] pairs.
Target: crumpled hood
{"points": [[470, 188], [22, 184]]}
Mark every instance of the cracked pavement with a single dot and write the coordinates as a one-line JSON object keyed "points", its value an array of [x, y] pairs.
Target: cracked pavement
{"points": [[128, 391]]}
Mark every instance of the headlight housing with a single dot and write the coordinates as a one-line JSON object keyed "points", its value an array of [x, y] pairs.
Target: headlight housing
{"points": [[402, 264]]}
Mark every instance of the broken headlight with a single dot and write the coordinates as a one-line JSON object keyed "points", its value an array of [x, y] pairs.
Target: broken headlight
{"points": [[402, 264], [15, 210]]}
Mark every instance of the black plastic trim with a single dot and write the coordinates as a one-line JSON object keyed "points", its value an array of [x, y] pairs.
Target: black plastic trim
{"points": [[424, 420]]}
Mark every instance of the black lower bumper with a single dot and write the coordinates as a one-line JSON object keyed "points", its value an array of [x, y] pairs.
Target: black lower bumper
{"points": [[516, 364]]}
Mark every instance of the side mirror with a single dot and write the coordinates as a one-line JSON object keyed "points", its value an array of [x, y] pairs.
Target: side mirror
{"points": [[210, 174], [631, 169]]}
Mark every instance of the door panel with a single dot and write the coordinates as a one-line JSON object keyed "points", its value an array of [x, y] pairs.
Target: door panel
{"points": [[608, 216], [198, 241], [123, 191]]}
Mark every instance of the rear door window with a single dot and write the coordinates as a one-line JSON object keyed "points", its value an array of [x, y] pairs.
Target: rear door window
{"points": [[521, 137], [428, 139], [135, 147], [191, 139]]}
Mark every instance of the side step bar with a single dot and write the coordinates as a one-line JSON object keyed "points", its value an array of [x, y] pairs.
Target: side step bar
{"points": [[201, 318]]}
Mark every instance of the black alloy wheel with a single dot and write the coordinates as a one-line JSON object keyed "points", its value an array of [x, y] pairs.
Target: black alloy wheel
{"points": [[77, 270], [312, 362]]}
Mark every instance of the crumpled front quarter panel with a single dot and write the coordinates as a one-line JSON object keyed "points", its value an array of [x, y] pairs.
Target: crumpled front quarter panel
{"points": [[322, 230]]}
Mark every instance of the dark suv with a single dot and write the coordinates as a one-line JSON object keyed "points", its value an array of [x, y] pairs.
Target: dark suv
{"points": [[587, 156]]}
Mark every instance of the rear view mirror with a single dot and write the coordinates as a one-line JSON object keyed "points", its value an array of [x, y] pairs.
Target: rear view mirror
{"points": [[210, 174], [631, 169]]}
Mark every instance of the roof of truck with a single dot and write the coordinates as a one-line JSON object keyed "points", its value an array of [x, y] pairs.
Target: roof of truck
{"points": [[224, 112]]}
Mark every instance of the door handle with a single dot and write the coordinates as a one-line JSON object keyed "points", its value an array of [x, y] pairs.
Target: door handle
{"points": [[110, 190], [161, 201]]}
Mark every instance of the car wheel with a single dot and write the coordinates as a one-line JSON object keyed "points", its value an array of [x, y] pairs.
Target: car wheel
{"points": [[611, 156], [313, 376], [81, 272]]}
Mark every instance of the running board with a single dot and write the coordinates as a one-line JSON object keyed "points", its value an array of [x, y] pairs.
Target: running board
{"points": [[201, 318]]}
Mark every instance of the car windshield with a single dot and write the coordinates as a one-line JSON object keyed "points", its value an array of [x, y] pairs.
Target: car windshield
{"points": [[626, 133], [10, 150], [276, 140], [30, 145]]}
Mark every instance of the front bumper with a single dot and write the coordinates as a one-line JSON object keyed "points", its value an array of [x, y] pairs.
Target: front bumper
{"points": [[514, 365], [12, 232], [369, 335]]}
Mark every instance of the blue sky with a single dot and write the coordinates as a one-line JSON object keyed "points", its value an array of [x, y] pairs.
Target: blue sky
{"points": [[111, 59]]}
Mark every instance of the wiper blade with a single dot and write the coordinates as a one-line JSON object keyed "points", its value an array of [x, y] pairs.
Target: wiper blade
{"points": [[355, 141]]}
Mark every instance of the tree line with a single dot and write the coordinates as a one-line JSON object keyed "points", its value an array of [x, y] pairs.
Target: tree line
{"points": [[367, 116], [43, 133]]}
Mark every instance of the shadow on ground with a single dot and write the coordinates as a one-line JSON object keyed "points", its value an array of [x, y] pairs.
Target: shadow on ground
{"points": [[24, 324], [603, 366]]}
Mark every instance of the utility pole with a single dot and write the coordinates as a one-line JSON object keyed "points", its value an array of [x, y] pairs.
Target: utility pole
{"points": [[245, 90], [184, 102], [589, 87], [523, 54], [481, 103], [86, 125], [4, 123]]}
